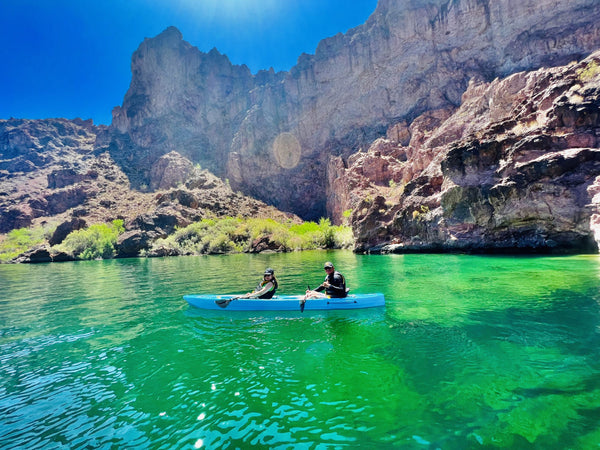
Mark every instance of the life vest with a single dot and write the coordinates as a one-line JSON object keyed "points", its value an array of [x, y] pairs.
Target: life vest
{"points": [[335, 293], [270, 293]]}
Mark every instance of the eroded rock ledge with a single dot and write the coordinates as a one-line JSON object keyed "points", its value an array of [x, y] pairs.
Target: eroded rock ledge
{"points": [[515, 168]]}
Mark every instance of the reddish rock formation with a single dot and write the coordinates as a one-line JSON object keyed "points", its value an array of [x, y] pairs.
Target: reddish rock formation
{"points": [[68, 184], [516, 166], [46, 168]]}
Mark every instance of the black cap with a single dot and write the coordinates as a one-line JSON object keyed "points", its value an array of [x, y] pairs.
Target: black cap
{"points": [[269, 271], [328, 265]]}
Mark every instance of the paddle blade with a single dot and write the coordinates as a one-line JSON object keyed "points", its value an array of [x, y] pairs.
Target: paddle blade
{"points": [[222, 303], [303, 301]]}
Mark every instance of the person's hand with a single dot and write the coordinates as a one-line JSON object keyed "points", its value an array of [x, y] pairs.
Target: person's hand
{"points": [[326, 284]]}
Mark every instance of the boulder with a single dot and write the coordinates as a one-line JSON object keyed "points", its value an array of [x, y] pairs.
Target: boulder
{"points": [[65, 228], [62, 256], [169, 171], [38, 254], [13, 217], [131, 243]]}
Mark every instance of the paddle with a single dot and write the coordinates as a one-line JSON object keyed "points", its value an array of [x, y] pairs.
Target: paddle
{"points": [[224, 302], [303, 301]]}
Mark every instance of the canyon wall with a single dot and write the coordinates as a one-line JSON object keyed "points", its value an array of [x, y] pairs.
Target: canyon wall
{"points": [[515, 168], [272, 134], [464, 125]]}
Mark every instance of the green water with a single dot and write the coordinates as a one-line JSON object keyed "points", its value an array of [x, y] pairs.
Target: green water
{"points": [[469, 352]]}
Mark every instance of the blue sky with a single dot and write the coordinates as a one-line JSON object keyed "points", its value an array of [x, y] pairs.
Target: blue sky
{"points": [[71, 58]]}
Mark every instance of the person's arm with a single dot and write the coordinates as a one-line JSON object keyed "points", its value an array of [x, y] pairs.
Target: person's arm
{"points": [[266, 288], [324, 285]]}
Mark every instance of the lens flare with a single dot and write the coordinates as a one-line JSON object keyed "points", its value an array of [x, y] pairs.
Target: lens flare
{"points": [[287, 150]]}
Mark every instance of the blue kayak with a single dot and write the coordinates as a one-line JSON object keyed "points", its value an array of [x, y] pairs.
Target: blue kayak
{"points": [[284, 302]]}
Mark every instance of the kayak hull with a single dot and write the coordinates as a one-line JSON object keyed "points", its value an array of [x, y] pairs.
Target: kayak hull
{"points": [[284, 302]]}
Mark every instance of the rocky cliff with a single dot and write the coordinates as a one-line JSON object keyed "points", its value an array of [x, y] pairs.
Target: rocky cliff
{"points": [[267, 131], [455, 125], [53, 175], [515, 167]]}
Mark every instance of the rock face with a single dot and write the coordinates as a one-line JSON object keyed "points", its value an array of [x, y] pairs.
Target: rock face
{"points": [[516, 166], [271, 130], [55, 176], [46, 168]]}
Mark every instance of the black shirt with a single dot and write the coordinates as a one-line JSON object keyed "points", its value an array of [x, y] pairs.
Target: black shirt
{"points": [[337, 285]]}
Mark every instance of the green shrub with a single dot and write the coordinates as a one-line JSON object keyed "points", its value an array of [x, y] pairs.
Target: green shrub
{"points": [[590, 71], [96, 241], [327, 232], [342, 237], [20, 240], [347, 215], [235, 234], [220, 243], [308, 234], [262, 227]]}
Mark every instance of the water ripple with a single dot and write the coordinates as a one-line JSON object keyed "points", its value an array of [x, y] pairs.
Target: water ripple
{"points": [[106, 354]]}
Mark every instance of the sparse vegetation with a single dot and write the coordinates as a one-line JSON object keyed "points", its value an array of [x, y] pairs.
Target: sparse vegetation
{"points": [[347, 215], [21, 240], [589, 72], [420, 213], [96, 241], [209, 236], [396, 189], [525, 127], [236, 235]]}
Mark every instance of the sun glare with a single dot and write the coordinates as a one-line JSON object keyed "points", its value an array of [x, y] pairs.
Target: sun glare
{"points": [[232, 10]]}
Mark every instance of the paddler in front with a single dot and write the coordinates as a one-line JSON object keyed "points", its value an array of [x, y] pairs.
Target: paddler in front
{"points": [[266, 288]]}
